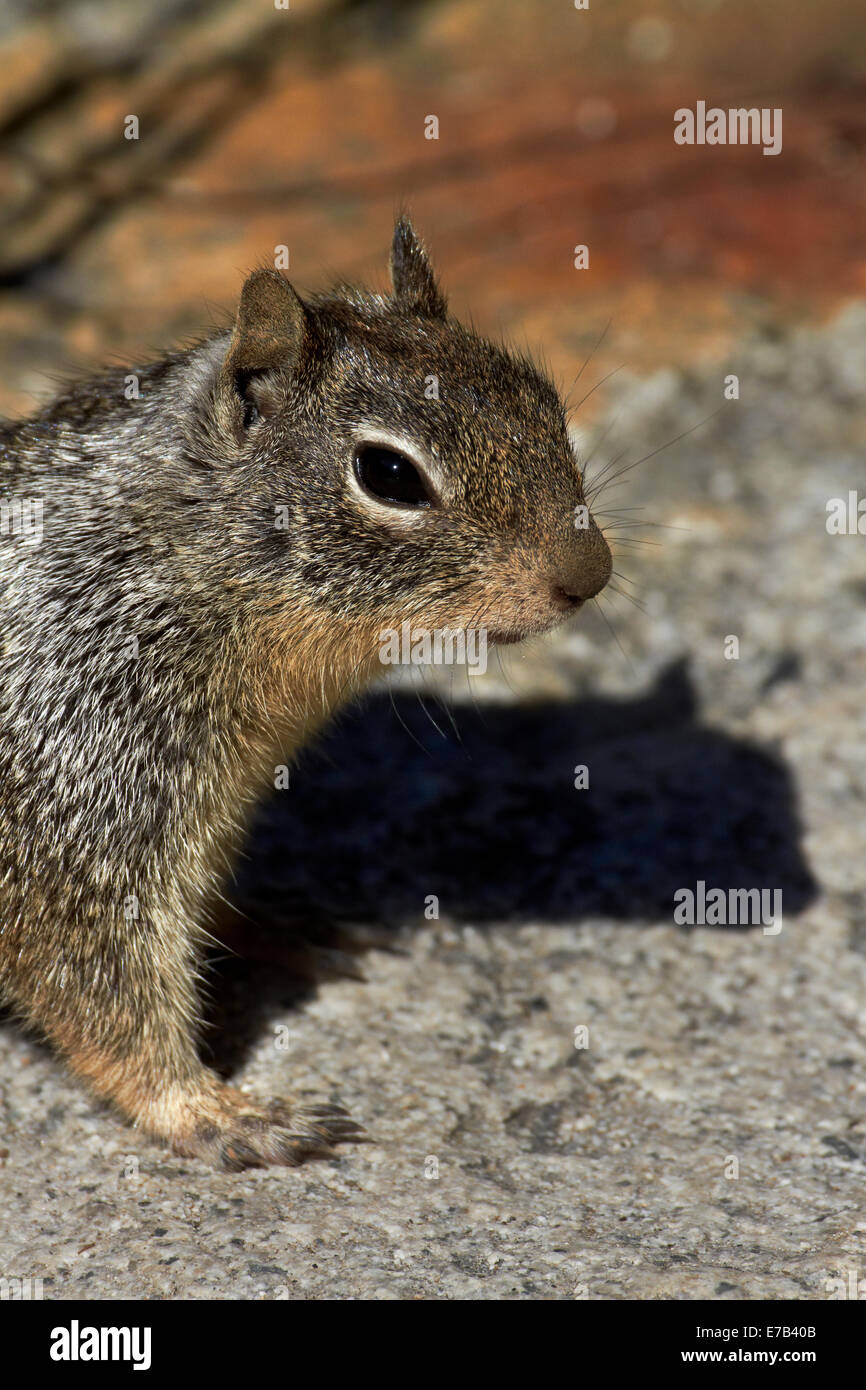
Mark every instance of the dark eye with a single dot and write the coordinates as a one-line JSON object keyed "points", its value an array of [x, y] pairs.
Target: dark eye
{"points": [[390, 476]]}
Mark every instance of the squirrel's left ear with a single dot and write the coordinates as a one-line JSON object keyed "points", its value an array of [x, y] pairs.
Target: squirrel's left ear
{"points": [[271, 330], [412, 278]]}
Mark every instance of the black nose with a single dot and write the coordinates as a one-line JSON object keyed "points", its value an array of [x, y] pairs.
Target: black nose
{"points": [[585, 570]]}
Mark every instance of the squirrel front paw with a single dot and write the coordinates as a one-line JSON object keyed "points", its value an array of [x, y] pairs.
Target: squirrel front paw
{"points": [[233, 1130]]}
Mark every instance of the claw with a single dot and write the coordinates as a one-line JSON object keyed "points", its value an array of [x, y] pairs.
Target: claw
{"points": [[238, 1131]]}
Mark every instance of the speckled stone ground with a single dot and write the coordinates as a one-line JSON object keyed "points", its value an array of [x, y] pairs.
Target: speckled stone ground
{"points": [[709, 1140]]}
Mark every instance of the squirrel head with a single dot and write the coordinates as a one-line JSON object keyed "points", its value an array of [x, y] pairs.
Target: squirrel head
{"points": [[386, 463]]}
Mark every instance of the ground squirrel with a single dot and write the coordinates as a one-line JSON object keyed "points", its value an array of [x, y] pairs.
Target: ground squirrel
{"points": [[219, 553]]}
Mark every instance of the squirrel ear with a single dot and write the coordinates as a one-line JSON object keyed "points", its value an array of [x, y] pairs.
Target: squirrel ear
{"points": [[270, 331], [412, 278], [270, 325]]}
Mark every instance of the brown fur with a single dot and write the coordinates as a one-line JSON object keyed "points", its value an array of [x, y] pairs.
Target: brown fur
{"points": [[126, 782]]}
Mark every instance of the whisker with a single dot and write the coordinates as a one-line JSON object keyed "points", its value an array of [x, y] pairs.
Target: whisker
{"points": [[613, 634], [620, 593], [585, 398], [592, 353], [617, 511], [599, 479], [597, 444], [403, 722], [634, 540], [668, 445]]}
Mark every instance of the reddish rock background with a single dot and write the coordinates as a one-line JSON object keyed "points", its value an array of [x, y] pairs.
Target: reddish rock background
{"points": [[305, 127]]}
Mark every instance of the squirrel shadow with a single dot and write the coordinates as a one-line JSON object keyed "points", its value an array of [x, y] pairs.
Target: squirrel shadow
{"points": [[387, 811]]}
